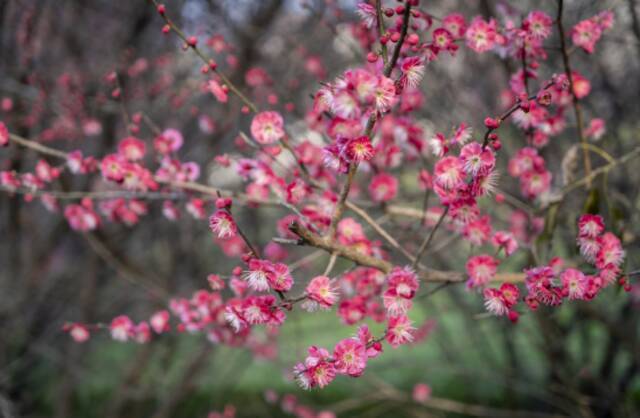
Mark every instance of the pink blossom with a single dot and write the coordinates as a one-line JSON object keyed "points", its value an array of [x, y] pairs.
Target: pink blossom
{"points": [[403, 281], [196, 208], [267, 127], [501, 301], [350, 231], [257, 276], [142, 333], [350, 357], [317, 370], [421, 393], [481, 269], [596, 128], [219, 91], [477, 160], [481, 35], [538, 24], [173, 138], [541, 287], [131, 148], [373, 348], [222, 224], [122, 328], [385, 94], [281, 279], [535, 183], [81, 217], [79, 332], [160, 321], [352, 310], [510, 294], [113, 168], [506, 241], [367, 13], [590, 226], [383, 187], [45, 172], [585, 34], [443, 40], [396, 304], [589, 248], [462, 134], [170, 211], [320, 289], [477, 231], [610, 251], [412, 70], [494, 303], [448, 172], [359, 149], [455, 24], [574, 282], [399, 330]]}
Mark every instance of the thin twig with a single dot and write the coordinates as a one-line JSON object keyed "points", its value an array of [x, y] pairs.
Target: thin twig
{"points": [[576, 105], [332, 262], [207, 61], [427, 240], [506, 116], [381, 32]]}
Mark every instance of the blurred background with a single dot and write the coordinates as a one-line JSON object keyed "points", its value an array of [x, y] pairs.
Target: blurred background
{"points": [[578, 360]]}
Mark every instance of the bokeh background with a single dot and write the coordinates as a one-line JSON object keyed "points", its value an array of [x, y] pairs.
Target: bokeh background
{"points": [[579, 360]]}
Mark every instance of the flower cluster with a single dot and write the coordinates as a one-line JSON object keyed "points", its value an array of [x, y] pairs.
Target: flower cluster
{"points": [[501, 301], [601, 249], [82, 217], [551, 284], [262, 275], [350, 355], [588, 32], [349, 358], [357, 93], [123, 167]]}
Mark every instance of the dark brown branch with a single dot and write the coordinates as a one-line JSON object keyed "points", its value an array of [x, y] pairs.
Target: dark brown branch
{"points": [[362, 259]]}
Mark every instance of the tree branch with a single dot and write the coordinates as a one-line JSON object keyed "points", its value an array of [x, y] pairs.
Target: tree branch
{"points": [[576, 105]]}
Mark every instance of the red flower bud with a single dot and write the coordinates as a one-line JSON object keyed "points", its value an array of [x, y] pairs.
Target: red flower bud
{"points": [[544, 98], [492, 123], [223, 203]]}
